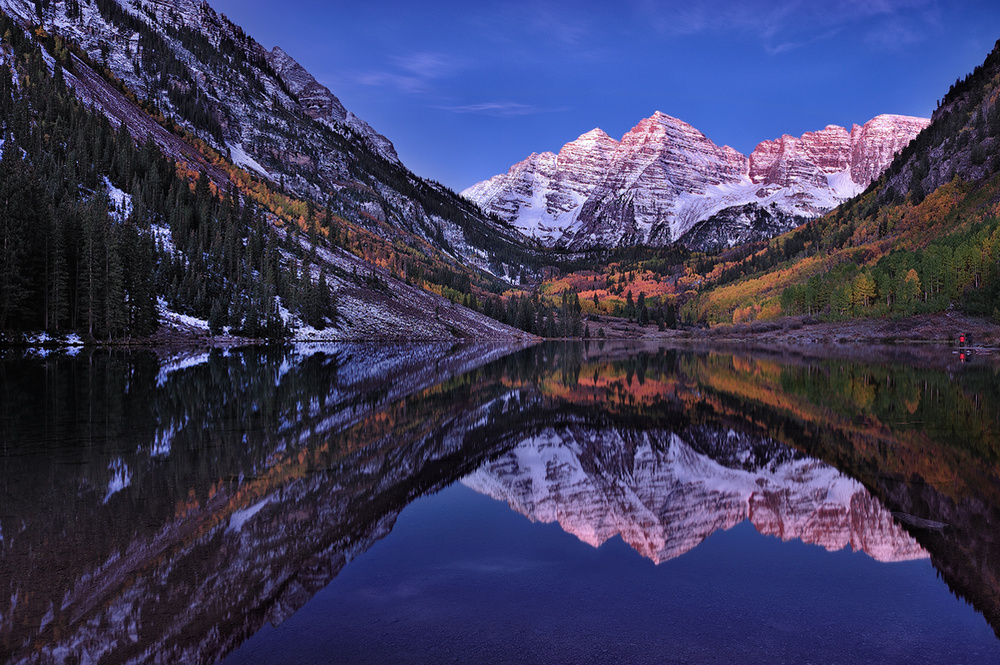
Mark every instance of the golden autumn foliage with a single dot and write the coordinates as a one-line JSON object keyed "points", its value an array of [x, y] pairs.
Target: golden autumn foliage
{"points": [[862, 239]]}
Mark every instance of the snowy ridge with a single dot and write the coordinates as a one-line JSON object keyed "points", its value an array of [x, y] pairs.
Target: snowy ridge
{"points": [[321, 104], [664, 177]]}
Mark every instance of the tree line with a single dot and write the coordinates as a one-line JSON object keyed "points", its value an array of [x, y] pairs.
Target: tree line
{"points": [[962, 268], [72, 260]]}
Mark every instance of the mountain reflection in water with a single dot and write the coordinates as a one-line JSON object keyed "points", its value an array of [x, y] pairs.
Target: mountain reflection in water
{"points": [[165, 510], [664, 496]]}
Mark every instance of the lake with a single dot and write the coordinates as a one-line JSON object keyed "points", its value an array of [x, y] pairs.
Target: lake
{"points": [[560, 503]]}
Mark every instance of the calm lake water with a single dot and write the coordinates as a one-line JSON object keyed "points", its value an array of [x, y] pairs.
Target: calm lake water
{"points": [[564, 503]]}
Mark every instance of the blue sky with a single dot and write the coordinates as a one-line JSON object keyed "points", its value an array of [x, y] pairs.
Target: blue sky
{"points": [[465, 89]]}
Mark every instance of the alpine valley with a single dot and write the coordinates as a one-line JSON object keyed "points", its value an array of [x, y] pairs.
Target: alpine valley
{"points": [[163, 172], [269, 396]]}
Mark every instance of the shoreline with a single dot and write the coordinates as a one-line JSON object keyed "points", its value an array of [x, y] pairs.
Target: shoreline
{"points": [[927, 331]]}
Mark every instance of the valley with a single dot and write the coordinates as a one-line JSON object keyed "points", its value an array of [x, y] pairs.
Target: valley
{"points": [[662, 230]]}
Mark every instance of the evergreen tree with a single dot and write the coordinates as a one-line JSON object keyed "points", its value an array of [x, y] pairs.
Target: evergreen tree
{"points": [[643, 313], [20, 209]]}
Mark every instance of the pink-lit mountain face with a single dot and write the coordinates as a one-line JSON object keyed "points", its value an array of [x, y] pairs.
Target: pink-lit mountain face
{"points": [[664, 495], [665, 177]]}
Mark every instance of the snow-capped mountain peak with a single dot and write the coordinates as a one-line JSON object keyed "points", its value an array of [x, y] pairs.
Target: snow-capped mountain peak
{"points": [[665, 178]]}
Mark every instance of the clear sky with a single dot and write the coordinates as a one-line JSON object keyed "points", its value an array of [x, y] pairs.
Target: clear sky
{"points": [[466, 89]]}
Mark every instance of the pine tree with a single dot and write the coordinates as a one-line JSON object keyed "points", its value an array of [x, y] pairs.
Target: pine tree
{"points": [[115, 315], [217, 317], [643, 313], [670, 319], [56, 296]]}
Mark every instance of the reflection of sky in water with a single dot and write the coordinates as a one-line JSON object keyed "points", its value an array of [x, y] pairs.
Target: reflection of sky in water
{"points": [[463, 577]]}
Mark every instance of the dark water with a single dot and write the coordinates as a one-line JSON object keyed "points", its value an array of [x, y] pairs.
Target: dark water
{"points": [[359, 503]]}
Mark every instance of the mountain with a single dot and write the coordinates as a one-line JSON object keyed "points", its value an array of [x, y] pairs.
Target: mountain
{"points": [[229, 190], [665, 177], [922, 239], [962, 141], [320, 104], [664, 495], [266, 113]]}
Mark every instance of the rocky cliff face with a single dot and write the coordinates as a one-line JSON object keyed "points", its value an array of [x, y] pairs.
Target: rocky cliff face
{"points": [[655, 170], [543, 194], [320, 104], [874, 145], [665, 177], [963, 140], [664, 495]]}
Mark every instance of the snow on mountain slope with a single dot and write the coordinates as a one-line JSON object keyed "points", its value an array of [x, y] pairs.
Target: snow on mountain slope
{"points": [[664, 177], [264, 111], [321, 104], [548, 189]]}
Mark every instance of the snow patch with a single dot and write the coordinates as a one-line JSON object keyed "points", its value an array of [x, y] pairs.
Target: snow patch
{"points": [[240, 157], [180, 320], [842, 186], [121, 203], [121, 478], [162, 237]]}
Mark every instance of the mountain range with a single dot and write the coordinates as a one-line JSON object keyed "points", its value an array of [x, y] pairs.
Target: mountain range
{"points": [[403, 256], [665, 181]]}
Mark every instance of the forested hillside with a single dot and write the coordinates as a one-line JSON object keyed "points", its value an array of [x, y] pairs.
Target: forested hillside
{"points": [[259, 110], [96, 229], [105, 234], [925, 237]]}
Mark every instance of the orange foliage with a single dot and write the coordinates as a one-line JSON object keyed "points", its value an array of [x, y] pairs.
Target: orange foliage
{"points": [[588, 283], [933, 217]]}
